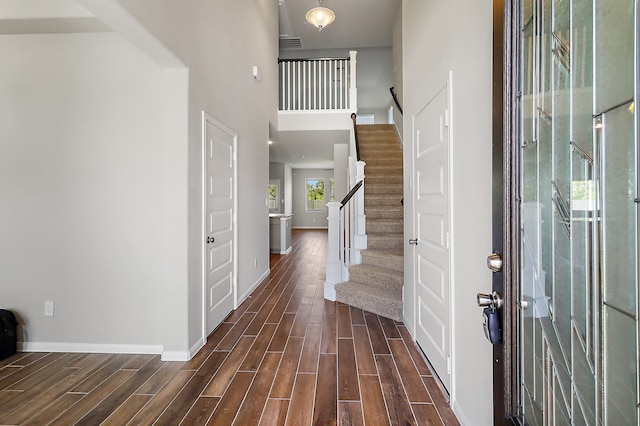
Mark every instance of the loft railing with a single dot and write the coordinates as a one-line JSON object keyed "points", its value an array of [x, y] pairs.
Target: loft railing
{"points": [[347, 229], [318, 84]]}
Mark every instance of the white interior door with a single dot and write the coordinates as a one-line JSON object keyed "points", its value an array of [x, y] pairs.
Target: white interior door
{"points": [[431, 225], [219, 186]]}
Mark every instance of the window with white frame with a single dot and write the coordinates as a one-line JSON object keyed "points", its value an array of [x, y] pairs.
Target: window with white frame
{"points": [[315, 200], [274, 195]]}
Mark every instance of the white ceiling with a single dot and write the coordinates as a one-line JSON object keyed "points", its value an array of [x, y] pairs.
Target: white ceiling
{"points": [[310, 149], [358, 24]]}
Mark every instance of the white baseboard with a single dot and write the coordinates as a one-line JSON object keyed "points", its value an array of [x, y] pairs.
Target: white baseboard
{"points": [[244, 296], [309, 227], [97, 348], [287, 251], [176, 356]]}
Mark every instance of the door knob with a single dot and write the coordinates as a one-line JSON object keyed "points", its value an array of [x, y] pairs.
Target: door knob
{"points": [[493, 300], [413, 241], [210, 240], [494, 262]]}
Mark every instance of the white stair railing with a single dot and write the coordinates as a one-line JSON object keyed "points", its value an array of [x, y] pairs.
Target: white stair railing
{"points": [[347, 233], [318, 84]]}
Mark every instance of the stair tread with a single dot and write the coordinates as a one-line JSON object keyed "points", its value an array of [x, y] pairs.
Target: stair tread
{"points": [[385, 303]]}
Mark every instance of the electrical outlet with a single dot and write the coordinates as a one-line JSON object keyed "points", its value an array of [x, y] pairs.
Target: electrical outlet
{"points": [[48, 309]]}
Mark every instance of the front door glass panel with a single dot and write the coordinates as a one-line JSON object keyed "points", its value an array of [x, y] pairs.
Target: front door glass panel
{"points": [[578, 241]]}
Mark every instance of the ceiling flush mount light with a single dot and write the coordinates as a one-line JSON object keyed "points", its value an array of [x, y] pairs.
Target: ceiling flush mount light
{"points": [[320, 16]]}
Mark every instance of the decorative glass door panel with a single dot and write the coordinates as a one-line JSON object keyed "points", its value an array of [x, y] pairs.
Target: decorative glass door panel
{"points": [[578, 242]]}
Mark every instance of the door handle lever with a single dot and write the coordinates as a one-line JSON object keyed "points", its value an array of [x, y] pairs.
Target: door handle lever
{"points": [[413, 241]]}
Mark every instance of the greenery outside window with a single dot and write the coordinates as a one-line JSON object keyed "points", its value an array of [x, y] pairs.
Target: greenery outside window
{"points": [[315, 201], [273, 195], [332, 188]]}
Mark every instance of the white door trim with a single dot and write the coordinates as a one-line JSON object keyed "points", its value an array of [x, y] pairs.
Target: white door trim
{"points": [[208, 118]]}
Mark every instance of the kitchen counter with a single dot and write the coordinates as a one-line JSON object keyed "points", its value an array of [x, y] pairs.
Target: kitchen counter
{"points": [[280, 233]]}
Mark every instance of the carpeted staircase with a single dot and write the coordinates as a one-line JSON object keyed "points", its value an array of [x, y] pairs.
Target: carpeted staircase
{"points": [[376, 284]]}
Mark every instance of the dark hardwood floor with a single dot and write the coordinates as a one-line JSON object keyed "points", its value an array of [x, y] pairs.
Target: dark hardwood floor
{"points": [[286, 356]]}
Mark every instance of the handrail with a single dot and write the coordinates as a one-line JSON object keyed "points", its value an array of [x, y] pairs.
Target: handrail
{"points": [[311, 59], [350, 195], [395, 99], [355, 135]]}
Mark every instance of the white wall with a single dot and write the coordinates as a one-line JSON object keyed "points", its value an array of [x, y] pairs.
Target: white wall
{"points": [[396, 52], [81, 178], [288, 189], [441, 36], [220, 42], [106, 212], [301, 217], [341, 169]]}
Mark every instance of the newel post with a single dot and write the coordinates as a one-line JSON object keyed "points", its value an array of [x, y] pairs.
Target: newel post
{"points": [[334, 265], [360, 237], [353, 92]]}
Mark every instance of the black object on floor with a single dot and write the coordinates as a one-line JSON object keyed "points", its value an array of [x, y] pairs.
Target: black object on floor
{"points": [[8, 334]]}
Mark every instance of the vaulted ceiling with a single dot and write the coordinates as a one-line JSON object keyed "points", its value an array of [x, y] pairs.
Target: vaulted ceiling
{"points": [[358, 24]]}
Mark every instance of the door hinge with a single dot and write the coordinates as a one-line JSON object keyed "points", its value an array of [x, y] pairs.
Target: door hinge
{"points": [[446, 117], [448, 365], [447, 241]]}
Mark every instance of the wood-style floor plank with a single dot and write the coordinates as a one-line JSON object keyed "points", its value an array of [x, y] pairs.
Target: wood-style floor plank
{"points": [[348, 388], [281, 335], [344, 321], [310, 350], [414, 352], [373, 405], [416, 391], [426, 414], [228, 406], [285, 356], [329, 329], [301, 406], [325, 410], [397, 405], [228, 369], [350, 413], [378, 341], [364, 353], [127, 410], [251, 409], [201, 411], [275, 412], [286, 375], [151, 411]]}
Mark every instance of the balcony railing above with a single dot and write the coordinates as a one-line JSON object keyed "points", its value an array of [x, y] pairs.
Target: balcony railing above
{"points": [[318, 84]]}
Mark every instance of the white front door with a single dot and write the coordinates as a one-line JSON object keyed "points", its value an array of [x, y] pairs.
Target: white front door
{"points": [[219, 239], [431, 225]]}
